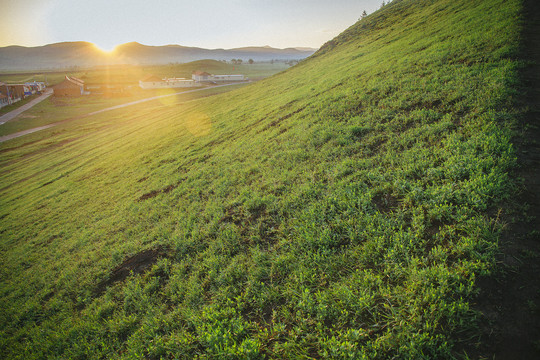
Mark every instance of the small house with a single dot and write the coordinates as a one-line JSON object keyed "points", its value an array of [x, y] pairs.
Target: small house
{"points": [[201, 76], [71, 86], [151, 82]]}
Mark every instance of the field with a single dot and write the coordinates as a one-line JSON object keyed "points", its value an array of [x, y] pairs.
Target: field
{"points": [[342, 209], [131, 74], [62, 109], [58, 109]]}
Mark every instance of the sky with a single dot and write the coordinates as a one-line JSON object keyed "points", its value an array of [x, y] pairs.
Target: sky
{"points": [[208, 24]]}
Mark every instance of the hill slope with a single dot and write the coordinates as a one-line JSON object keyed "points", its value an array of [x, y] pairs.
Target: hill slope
{"points": [[341, 209]]}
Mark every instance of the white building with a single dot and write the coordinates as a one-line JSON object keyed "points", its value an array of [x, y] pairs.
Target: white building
{"points": [[203, 76], [229, 77], [153, 82], [181, 82]]}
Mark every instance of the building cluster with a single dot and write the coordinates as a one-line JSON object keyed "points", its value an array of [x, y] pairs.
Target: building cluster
{"points": [[198, 78], [11, 93], [72, 86]]}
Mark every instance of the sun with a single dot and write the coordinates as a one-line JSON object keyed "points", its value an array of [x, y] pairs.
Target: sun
{"points": [[105, 49]]}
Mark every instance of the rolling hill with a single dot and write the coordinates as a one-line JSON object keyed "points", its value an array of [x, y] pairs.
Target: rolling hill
{"points": [[347, 208], [85, 54]]}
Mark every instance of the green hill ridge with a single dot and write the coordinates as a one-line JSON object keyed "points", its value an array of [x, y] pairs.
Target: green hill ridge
{"points": [[342, 209]]}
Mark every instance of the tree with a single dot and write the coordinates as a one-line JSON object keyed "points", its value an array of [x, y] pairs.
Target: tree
{"points": [[364, 14], [250, 61]]}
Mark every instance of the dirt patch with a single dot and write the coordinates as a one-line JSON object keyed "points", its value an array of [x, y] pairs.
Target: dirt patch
{"points": [[169, 188], [435, 227], [149, 195], [167, 161], [283, 118], [136, 264], [256, 220], [232, 215], [155, 193], [385, 203]]}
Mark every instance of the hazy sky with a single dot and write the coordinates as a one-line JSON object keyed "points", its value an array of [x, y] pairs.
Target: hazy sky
{"points": [[202, 23]]}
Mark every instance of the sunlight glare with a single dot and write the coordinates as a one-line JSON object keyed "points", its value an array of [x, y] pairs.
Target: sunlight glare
{"points": [[104, 49], [198, 124]]}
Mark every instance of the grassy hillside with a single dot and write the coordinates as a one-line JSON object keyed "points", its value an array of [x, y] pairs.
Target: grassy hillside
{"points": [[341, 209]]}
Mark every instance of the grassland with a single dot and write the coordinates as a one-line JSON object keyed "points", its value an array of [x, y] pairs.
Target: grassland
{"points": [[18, 104], [342, 209], [131, 74], [60, 109]]}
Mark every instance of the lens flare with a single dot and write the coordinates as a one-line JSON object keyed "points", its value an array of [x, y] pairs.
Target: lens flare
{"points": [[169, 99], [198, 124]]}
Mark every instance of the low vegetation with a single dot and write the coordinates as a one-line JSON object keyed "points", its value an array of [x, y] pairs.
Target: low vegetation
{"points": [[131, 74], [60, 109], [18, 104], [342, 209]]}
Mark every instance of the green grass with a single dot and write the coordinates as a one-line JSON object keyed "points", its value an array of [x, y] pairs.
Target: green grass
{"points": [[342, 209], [131, 74], [56, 109], [18, 104]]}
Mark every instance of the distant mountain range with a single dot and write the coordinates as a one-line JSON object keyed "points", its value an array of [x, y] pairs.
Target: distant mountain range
{"points": [[85, 54]]}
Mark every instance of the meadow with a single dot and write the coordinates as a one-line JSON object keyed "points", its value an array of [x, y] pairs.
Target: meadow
{"points": [[61, 108], [344, 208], [131, 74]]}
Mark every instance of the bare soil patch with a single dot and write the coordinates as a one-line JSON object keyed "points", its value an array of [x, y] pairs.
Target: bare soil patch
{"points": [[155, 193], [136, 264], [385, 203]]}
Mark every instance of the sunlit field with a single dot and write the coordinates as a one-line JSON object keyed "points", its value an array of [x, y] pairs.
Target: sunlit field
{"points": [[57, 109], [342, 209], [131, 74]]}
